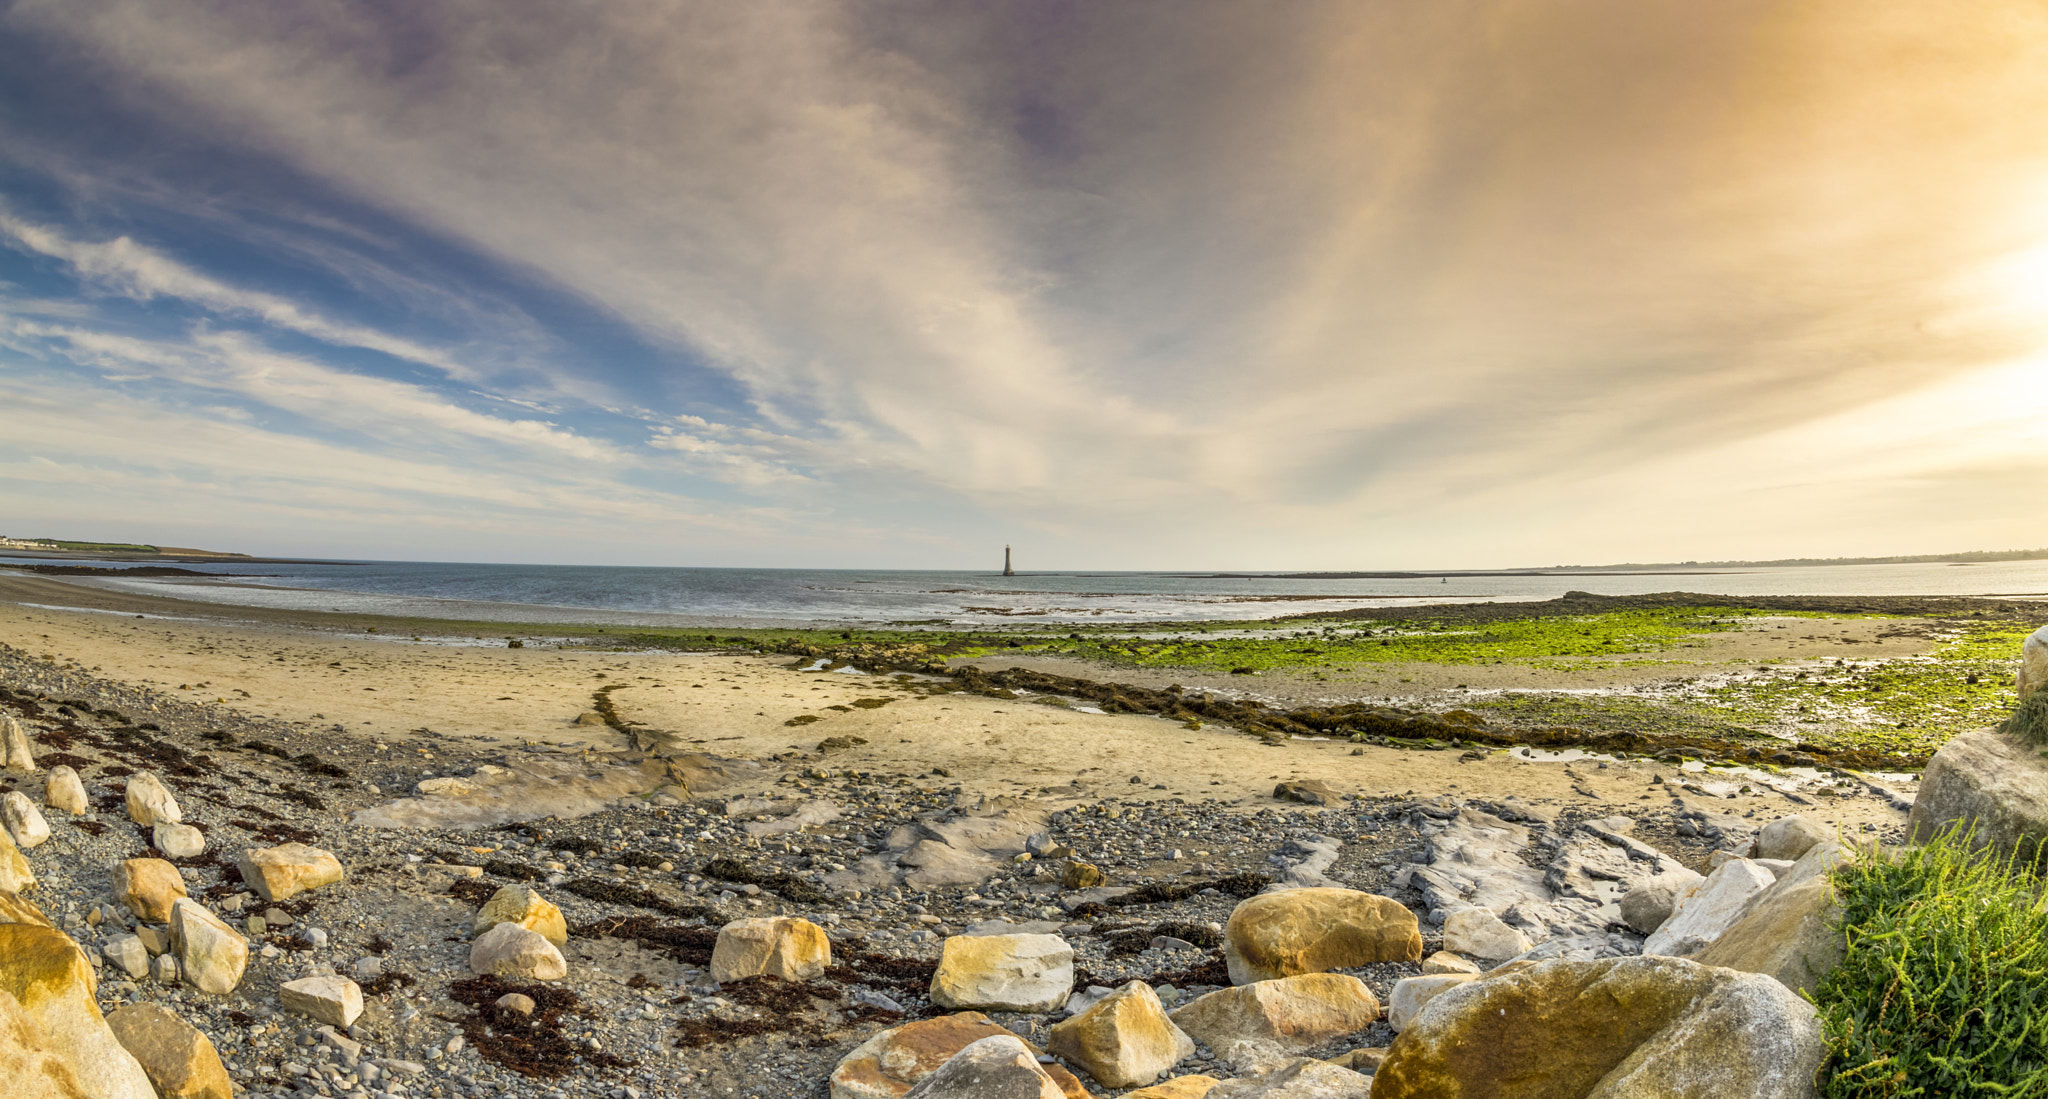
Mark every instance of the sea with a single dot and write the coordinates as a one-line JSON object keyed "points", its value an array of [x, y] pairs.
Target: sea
{"points": [[741, 597]]}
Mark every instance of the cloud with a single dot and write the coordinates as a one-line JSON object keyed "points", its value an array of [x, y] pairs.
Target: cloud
{"points": [[1326, 280]]}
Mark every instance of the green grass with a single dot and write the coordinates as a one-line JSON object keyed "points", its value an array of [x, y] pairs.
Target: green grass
{"points": [[2030, 722], [1944, 987]]}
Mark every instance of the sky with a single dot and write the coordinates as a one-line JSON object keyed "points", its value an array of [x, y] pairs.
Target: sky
{"points": [[1146, 285]]}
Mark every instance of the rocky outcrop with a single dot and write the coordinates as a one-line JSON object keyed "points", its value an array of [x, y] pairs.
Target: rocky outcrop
{"points": [[1264, 1023], [48, 976], [1124, 1040], [999, 1067], [1987, 782], [1314, 930], [889, 1064], [1004, 973], [520, 905], [178, 1059], [782, 946], [283, 872], [1664, 1028]]}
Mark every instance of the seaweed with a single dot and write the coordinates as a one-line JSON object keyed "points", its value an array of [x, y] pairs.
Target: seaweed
{"points": [[532, 1046]]}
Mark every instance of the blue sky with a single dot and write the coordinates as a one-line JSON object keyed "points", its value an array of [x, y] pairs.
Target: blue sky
{"points": [[1136, 286]]}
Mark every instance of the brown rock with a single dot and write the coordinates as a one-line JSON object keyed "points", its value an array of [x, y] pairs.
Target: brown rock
{"points": [[788, 947], [1616, 1028], [150, 802], [1004, 973], [1312, 930], [16, 909], [1180, 1087], [887, 1065], [997, 1067], [1125, 1040], [1265, 1022], [31, 1068], [1307, 791], [50, 978], [277, 873], [520, 905], [1366, 1061], [180, 1061], [1080, 875], [148, 887]]}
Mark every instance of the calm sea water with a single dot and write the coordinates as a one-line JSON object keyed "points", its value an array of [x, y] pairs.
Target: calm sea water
{"points": [[736, 597]]}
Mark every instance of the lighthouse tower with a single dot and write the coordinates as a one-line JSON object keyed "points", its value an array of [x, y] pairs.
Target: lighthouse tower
{"points": [[1007, 570]]}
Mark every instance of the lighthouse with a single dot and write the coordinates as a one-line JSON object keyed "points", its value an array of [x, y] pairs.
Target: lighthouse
{"points": [[1007, 570]]}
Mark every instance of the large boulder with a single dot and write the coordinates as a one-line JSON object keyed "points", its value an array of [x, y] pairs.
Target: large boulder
{"points": [[520, 905], [1124, 1040], [63, 790], [1701, 915], [212, 955], [509, 950], [277, 873], [788, 947], [2033, 674], [148, 887], [1792, 931], [49, 977], [31, 1068], [890, 1063], [1313, 930], [1004, 973], [1789, 837], [180, 1061], [1306, 1078], [997, 1067], [150, 802], [24, 821], [1648, 903], [15, 874], [15, 908], [1988, 782], [1615, 1028], [1261, 1023]]}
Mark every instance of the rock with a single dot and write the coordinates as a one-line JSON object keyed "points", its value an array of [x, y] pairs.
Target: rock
{"points": [[20, 758], [1261, 1024], [336, 1001], [1180, 1087], [1125, 1040], [518, 1003], [1664, 1027], [24, 821], [149, 802], [166, 967], [1700, 916], [2033, 674], [520, 905], [1789, 934], [17, 909], [998, 1067], [1312, 930], [32, 1069], [1307, 792], [509, 950], [64, 791], [179, 1060], [1364, 1061], [15, 874], [1648, 904], [1306, 1078], [1411, 993], [128, 953], [1481, 934], [1446, 962], [154, 940], [887, 1065], [788, 947], [148, 887], [277, 873], [588, 717], [1004, 972], [179, 841], [1789, 837], [213, 955], [1080, 875], [1989, 781], [48, 976]]}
